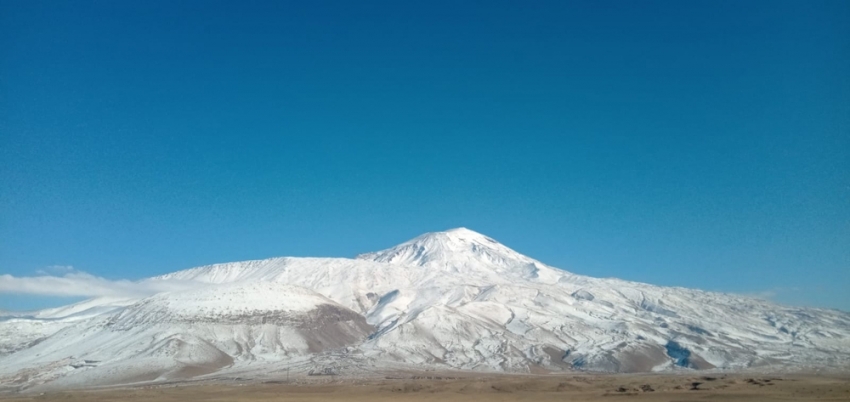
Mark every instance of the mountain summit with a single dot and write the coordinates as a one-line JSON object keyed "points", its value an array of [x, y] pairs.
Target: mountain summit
{"points": [[460, 250]]}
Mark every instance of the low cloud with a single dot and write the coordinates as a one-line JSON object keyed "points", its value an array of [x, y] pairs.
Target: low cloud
{"points": [[56, 270], [81, 284]]}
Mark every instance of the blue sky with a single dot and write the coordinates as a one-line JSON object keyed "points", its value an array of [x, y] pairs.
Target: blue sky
{"points": [[697, 144]]}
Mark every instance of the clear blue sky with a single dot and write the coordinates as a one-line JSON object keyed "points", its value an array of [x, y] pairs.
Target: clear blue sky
{"points": [[699, 144]]}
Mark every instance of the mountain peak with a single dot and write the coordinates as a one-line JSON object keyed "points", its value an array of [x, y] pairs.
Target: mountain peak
{"points": [[458, 250], [462, 233], [461, 230]]}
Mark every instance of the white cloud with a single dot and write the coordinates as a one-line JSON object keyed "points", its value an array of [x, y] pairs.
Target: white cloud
{"points": [[78, 283], [56, 270]]}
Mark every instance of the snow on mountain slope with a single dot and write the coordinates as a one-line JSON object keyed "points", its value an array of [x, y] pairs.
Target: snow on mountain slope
{"points": [[84, 309], [454, 299], [21, 330], [630, 328], [177, 334], [468, 253], [352, 283]]}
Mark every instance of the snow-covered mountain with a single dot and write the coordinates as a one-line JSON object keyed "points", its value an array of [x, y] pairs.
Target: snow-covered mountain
{"points": [[447, 300]]}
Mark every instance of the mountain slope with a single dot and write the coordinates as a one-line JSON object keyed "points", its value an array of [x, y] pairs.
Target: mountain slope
{"points": [[180, 334], [454, 299], [22, 330]]}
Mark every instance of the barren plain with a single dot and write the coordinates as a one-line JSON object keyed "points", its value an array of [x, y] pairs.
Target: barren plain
{"points": [[485, 388]]}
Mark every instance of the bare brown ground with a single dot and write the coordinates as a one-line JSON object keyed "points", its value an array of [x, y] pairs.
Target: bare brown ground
{"points": [[490, 389]]}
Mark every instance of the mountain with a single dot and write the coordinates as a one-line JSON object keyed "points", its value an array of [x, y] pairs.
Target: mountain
{"points": [[446, 300]]}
